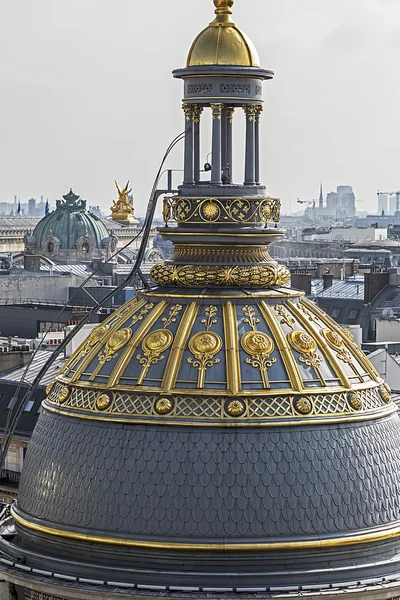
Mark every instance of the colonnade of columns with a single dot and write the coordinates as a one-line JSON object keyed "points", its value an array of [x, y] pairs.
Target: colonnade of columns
{"points": [[221, 148]]}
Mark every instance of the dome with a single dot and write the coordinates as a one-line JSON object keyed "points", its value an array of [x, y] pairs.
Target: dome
{"points": [[222, 42], [249, 425], [68, 224], [218, 433]]}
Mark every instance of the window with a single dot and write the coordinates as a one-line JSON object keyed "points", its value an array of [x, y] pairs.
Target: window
{"points": [[85, 247], [29, 405], [11, 404], [50, 247], [353, 314], [336, 312]]}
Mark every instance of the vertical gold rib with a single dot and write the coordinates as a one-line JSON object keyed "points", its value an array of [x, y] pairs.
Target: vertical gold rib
{"points": [[355, 350], [178, 346], [292, 369], [329, 355], [231, 348], [133, 343], [117, 323]]}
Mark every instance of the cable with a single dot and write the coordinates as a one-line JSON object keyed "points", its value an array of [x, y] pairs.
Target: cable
{"points": [[68, 302], [19, 406]]}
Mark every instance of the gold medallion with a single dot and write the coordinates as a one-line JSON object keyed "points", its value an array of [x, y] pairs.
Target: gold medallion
{"points": [[257, 343], [303, 405], [164, 406], [103, 402], [302, 341], [354, 401], [63, 395], [235, 408]]}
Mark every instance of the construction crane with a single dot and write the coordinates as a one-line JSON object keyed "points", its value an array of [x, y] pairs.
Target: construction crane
{"points": [[379, 193], [313, 202]]}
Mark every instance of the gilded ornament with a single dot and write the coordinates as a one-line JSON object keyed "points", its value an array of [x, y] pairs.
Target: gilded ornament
{"points": [[157, 341], [333, 339], [257, 342], [211, 211], [286, 316], [217, 109], [204, 345], [258, 345], [250, 111], [386, 397], [187, 109], [197, 110], [303, 405], [208, 406], [229, 114], [164, 406], [302, 341], [222, 210], [336, 342], [49, 388], [269, 275], [122, 209], [115, 343], [387, 388], [63, 395], [258, 111], [354, 401], [306, 347], [235, 408], [103, 402], [153, 345]]}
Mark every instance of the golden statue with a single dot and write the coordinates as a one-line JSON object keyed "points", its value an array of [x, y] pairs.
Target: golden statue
{"points": [[122, 209]]}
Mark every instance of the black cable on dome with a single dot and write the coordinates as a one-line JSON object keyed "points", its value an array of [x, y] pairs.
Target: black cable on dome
{"points": [[19, 405]]}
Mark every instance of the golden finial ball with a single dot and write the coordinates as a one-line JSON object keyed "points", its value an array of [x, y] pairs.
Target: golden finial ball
{"points": [[223, 4]]}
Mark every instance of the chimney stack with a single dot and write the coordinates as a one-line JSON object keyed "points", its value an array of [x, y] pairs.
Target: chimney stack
{"points": [[327, 279]]}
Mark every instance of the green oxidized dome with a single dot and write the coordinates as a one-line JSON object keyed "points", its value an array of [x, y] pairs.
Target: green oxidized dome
{"points": [[69, 222]]}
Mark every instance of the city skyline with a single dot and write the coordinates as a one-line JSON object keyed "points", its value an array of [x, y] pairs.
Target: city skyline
{"points": [[329, 114]]}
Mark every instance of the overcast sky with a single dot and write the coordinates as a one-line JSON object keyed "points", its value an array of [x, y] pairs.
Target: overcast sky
{"points": [[87, 94]]}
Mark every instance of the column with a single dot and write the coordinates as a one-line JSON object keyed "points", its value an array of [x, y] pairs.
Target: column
{"points": [[229, 154], [216, 143], [249, 170], [188, 163], [224, 158], [258, 110], [197, 110]]}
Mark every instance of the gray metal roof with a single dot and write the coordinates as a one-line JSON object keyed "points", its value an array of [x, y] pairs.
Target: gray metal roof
{"points": [[82, 270], [348, 288], [16, 375]]}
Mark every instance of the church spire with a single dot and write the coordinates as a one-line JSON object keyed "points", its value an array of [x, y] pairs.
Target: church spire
{"points": [[321, 197]]}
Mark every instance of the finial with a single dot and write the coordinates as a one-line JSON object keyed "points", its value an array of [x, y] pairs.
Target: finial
{"points": [[223, 9]]}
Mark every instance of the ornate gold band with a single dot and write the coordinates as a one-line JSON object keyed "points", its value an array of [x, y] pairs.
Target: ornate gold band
{"points": [[269, 275], [257, 211], [351, 540], [224, 254], [238, 410]]}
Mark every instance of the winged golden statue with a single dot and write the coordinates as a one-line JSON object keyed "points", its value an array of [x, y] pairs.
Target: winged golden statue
{"points": [[122, 209]]}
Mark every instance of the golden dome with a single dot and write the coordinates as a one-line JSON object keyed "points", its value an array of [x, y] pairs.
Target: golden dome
{"points": [[260, 360], [222, 43]]}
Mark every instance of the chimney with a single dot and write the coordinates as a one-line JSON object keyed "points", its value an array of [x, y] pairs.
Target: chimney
{"points": [[327, 279], [301, 281], [374, 283]]}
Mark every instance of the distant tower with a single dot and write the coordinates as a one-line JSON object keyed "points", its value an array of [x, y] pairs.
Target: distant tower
{"points": [[321, 197]]}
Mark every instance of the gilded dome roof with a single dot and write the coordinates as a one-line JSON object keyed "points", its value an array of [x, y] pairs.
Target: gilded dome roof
{"points": [[222, 42], [161, 356]]}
